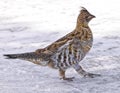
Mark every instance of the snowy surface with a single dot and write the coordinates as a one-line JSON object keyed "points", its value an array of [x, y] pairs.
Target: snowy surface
{"points": [[26, 25]]}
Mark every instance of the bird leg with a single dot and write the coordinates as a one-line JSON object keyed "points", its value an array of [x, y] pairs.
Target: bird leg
{"points": [[62, 75], [82, 72]]}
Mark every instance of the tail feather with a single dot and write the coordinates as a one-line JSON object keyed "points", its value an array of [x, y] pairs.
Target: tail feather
{"points": [[28, 56], [41, 59], [10, 56], [20, 56]]}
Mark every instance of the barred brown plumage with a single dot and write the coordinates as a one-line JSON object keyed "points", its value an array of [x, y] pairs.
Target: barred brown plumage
{"points": [[66, 52]]}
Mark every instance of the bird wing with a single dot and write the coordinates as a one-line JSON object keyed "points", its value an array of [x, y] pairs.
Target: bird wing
{"points": [[59, 43], [52, 48]]}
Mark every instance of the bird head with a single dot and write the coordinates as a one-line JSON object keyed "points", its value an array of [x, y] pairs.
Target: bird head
{"points": [[84, 17]]}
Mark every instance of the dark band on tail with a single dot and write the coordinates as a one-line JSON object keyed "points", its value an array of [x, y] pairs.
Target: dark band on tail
{"points": [[10, 56]]}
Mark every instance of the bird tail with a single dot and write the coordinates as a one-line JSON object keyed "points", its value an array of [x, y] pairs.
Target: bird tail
{"points": [[32, 56], [40, 59], [19, 56]]}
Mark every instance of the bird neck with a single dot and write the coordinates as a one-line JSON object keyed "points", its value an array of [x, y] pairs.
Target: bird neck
{"points": [[81, 23], [83, 31]]}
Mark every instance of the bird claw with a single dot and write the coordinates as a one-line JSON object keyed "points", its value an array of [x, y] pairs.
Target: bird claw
{"points": [[91, 75], [68, 79]]}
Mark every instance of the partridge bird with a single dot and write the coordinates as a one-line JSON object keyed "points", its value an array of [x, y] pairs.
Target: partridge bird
{"points": [[67, 51]]}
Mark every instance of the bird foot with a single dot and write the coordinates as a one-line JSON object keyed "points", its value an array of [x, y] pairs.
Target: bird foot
{"points": [[91, 75], [68, 79]]}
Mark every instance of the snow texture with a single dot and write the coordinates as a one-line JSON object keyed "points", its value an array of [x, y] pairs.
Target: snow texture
{"points": [[26, 25]]}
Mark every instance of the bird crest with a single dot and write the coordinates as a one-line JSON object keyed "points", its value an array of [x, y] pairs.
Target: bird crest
{"points": [[83, 8]]}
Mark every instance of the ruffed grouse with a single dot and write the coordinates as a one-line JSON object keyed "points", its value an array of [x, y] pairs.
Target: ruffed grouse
{"points": [[67, 51]]}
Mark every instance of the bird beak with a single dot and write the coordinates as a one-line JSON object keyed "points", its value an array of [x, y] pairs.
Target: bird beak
{"points": [[92, 16]]}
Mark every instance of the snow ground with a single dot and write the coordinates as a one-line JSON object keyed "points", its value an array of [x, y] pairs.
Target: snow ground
{"points": [[26, 25]]}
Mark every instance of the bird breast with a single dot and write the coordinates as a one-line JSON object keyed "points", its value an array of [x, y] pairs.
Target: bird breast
{"points": [[68, 54]]}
